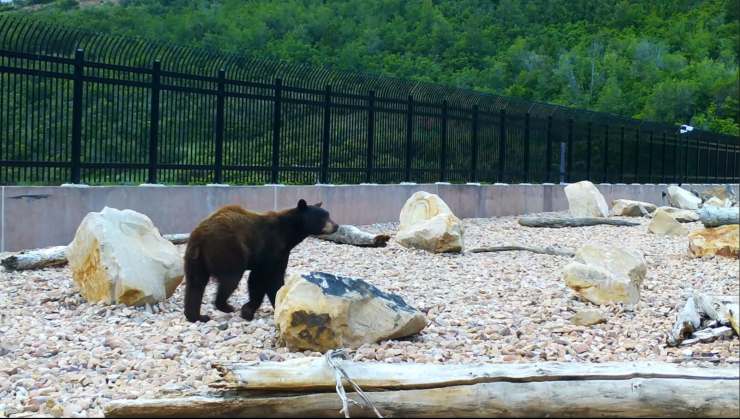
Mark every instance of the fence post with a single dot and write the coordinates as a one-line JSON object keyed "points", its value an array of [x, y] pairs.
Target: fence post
{"points": [[219, 160], [716, 166], [474, 157], [637, 155], [443, 155], [569, 168], [548, 150], [502, 145], [324, 177], [728, 166], [685, 140], [588, 152], [707, 166], [698, 159], [154, 123], [663, 172], [79, 74], [276, 121], [526, 147], [675, 159], [606, 153], [409, 136], [621, 154], [650, 157], [370, 135]]}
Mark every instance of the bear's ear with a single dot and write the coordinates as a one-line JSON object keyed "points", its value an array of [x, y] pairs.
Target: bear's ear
{"points": [[302, 204], [319, 204]]}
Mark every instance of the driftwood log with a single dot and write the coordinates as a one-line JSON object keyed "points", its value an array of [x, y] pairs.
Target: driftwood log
{"points": [[560, 222], [349, 234], [55, 256], [545, 251], [722, 309], [715, 216], [305, 388]]}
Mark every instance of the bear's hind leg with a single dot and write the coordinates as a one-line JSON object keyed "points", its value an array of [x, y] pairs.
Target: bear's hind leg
{"points": [[195, 285], [226, 286]]}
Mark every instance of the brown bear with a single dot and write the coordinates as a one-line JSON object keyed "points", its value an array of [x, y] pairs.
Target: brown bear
{"points": [[233, 240]]}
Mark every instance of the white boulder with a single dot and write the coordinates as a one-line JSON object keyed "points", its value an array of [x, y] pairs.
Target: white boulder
{"points": [[320, 311], [119, 257], [680, 215], [428, 223], [663, 224], [679, 197], [629, 208], [606, 274], [585, 200]]}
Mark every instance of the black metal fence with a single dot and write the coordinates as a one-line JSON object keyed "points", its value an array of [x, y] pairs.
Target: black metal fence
{"points": [[77, 106]]}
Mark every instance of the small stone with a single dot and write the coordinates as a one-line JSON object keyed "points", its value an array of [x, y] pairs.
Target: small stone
{"points": [[588, 318], [663, 224], [580, 348]]}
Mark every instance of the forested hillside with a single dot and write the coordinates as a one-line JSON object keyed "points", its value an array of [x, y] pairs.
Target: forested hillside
{"points": [[673, 61]]}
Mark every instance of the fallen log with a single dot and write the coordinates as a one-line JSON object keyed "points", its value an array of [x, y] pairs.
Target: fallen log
{"points": [[56, 256], [560, 222], [305, 388], [349, 234], [544, 251], [724, 310], [689, 320], [715, 216], [36, 259]]}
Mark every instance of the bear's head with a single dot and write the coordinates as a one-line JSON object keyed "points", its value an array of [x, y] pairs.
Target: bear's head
{"points": [[315, 220]]}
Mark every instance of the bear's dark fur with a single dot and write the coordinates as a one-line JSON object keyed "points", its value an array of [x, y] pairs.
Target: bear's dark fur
{"points": [[233, 240]]}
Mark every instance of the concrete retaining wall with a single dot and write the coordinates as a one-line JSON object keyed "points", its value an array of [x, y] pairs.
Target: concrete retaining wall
{"points": [[41, 216]]}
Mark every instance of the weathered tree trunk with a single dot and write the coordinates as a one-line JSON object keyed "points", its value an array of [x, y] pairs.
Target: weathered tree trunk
{"points": [[715, 216], [723, 309], [181, 238], [305, 388], [349, 234], [56, 256], [544, 251], [36, 259], [553, 222]]}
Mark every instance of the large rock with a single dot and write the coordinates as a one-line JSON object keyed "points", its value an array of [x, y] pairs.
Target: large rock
{"points": [[605, 275], [119, 257], [629, 208], [717, 202], [721, 192], [680, 215], [585, 200], [428, 223], [663, 224], [679, 197], [320, 311], [722, 241]]}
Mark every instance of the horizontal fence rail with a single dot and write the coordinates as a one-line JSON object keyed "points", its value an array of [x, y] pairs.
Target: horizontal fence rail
{"points": [[81, 107]]}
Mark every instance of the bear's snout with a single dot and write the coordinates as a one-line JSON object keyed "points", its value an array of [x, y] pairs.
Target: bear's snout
{"points": [[330, 227]]}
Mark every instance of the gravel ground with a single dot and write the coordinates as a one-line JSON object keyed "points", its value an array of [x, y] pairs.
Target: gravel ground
{"points": [[62, 356]]}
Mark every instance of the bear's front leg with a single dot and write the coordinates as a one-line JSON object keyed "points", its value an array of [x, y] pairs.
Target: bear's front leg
{"points": [[257, 290]]}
